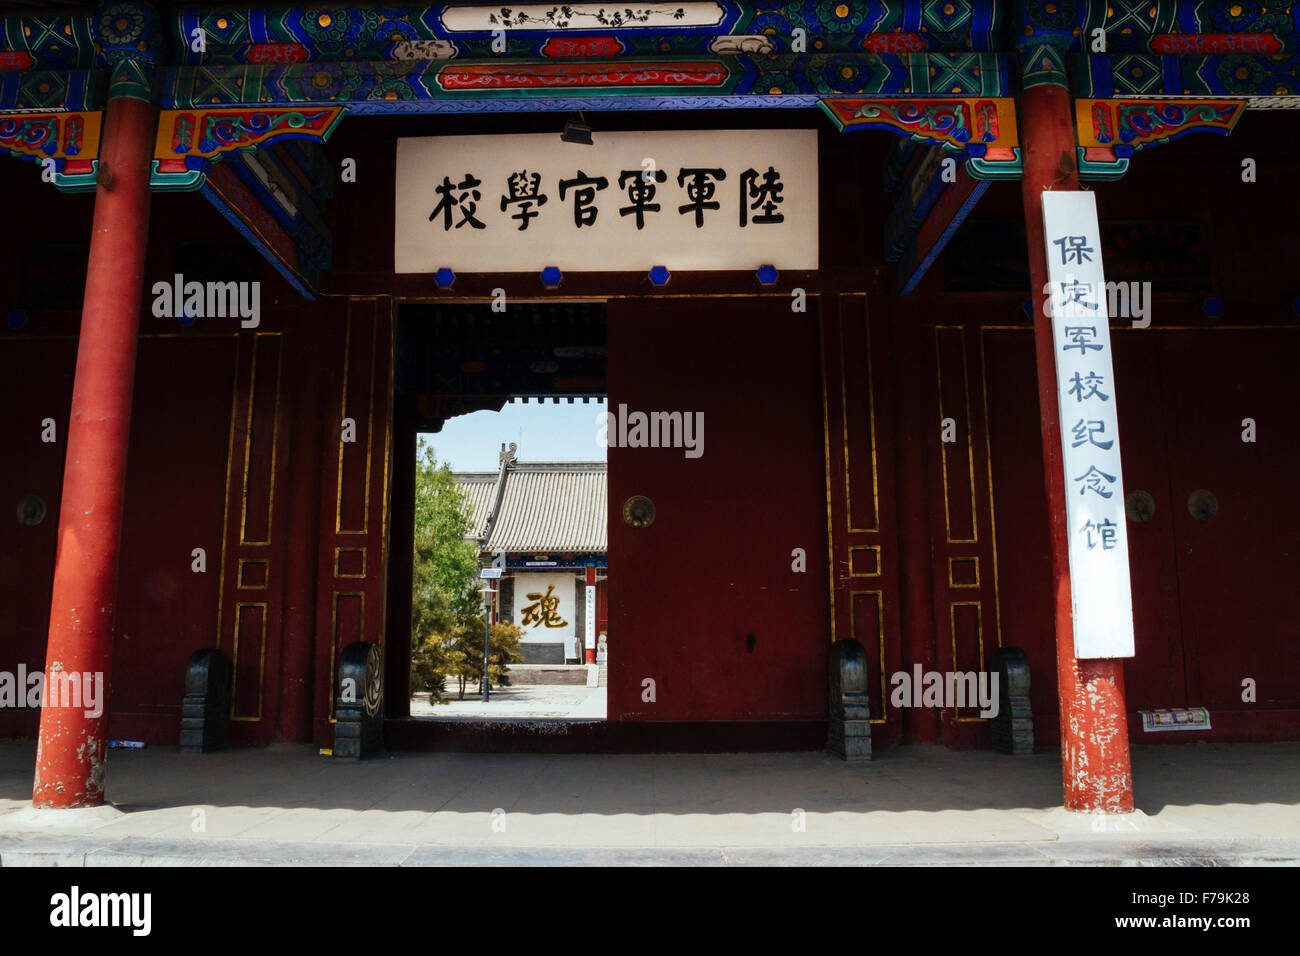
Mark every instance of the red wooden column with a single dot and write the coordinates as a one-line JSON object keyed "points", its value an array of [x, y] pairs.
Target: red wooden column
{"points": [[70, 757], [1094, 733]]}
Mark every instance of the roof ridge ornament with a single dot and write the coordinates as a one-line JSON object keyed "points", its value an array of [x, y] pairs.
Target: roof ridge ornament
{"points": [[506, 458]]}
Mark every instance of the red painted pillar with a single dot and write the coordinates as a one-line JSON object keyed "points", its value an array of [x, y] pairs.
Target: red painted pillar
{"points": [[1094, 733], [71, 753]]}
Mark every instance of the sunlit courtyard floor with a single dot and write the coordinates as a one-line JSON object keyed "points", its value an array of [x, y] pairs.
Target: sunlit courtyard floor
{"points": [[287, 804], [561, 701]]}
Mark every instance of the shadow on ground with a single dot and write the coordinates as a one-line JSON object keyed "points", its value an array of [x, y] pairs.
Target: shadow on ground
{"points": [[900, 779]]}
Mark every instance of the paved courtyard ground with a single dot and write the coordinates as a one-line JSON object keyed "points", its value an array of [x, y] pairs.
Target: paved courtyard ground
{"points": [[1199, 804], [572, 701]]}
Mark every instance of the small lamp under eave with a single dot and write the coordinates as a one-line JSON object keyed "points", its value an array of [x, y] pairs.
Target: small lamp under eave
{"points": [[576, 130]]}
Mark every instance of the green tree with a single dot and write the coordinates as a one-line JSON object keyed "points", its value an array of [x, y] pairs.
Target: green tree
{"points": [[445, 598], [446, 606], [462, 655]]}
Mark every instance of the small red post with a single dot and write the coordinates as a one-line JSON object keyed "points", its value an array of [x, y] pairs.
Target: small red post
{"points": [[1094, 732], [73, 745]]}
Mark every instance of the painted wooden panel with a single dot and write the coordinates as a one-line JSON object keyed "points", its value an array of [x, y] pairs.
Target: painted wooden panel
{"points": [[251, 561], [356, 446], [861, 516]]}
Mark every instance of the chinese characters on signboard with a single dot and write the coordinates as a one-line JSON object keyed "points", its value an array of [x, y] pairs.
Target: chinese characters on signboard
{"points": [[684, 200], [544, 610], [1094, 486], [545, 607]]}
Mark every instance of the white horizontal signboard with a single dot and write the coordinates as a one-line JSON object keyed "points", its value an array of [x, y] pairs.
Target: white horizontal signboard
{"points": [[1085, 384], [463, 18], [687, 200]]}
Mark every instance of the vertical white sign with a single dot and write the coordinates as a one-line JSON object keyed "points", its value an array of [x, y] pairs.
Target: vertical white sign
{"points": [[1085, 386], [590, 636]]}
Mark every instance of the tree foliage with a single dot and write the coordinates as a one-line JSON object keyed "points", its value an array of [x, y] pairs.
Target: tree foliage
{"points": [[445, 591], [447, 612], [459, 659]]}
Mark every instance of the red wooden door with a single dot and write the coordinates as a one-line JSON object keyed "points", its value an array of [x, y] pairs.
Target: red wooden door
{"points": [[1239, 555], [32, 467], [706, 601], [180, 455], [1155, 677]]}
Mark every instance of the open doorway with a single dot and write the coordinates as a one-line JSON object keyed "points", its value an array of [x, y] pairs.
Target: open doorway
{"points": [[507, 500]]}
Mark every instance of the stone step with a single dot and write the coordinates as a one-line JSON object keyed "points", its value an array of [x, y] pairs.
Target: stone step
{"points": [[548, 673]]}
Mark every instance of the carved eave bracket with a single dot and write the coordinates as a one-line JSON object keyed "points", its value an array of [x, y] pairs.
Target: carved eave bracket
{"points": [[190, 140], [1125, 126], [65, 143], [967, 126], [978, 130], [262, 168]]}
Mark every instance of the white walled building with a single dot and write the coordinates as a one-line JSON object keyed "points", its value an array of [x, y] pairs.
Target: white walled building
{"points": [[548, 521]]}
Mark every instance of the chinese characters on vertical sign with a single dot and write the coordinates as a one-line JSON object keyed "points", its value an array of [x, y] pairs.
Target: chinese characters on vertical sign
{"points": [[685, 200], [1085, 379]]}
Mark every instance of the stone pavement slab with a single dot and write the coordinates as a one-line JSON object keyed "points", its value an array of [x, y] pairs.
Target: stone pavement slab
{"points": [[92, 851], [1203, 805]]}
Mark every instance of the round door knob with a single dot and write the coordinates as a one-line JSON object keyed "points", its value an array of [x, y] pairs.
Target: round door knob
{"points": [[1202, 505], [31, 510], [1139, 506], [639, 511]]}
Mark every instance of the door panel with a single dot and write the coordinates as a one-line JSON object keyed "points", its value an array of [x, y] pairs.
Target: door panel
{"points": [[35, 384], [176, 473], [1154, 677], [704, 601], [352, 561], [1239, 568], [1024, 554]]}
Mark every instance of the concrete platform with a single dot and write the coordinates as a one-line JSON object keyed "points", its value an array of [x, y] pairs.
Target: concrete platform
{"points": [[1199, 805]]}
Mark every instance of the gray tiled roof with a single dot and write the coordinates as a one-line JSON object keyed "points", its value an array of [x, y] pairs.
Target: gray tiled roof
{"points": [[479, 488], [547, 506]]}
